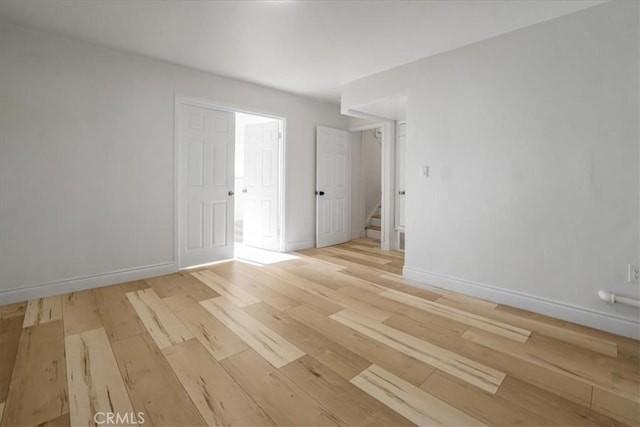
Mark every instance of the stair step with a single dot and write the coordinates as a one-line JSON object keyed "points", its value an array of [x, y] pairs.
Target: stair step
{"points": [[373, 227], [376, 221], [372, 233], [376, 216]]}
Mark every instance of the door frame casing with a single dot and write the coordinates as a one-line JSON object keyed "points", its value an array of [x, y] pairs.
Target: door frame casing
{"points": [[388, 240], [180, 99]]}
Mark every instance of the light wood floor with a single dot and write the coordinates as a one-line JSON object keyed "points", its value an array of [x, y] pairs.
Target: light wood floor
{"points": [[335, 337]]}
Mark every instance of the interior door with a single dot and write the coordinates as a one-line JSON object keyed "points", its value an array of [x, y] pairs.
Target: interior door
{"points": [[401, 171], [260, 219], [333, 187], [206, 152]]}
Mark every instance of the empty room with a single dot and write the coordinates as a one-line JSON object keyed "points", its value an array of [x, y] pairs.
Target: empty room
{"points": [[320, 213]]}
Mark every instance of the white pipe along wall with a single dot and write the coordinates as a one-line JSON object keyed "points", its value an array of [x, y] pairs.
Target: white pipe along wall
{"points": [[533, 144], [618, 299]]}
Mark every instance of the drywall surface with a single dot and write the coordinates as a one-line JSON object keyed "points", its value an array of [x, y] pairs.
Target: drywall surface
{"points": [[371, 171], [532, 140], [86, 160], [357, 193]]}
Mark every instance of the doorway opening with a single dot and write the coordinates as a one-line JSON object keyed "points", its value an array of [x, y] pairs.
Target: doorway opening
{"points": [[371, 176], [229, 179], [257, 185], [384, 132]]}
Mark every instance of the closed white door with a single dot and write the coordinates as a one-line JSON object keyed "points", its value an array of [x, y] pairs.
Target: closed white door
{"points": [[401, 175], [333, 187], [206, 152], [260, 219]]}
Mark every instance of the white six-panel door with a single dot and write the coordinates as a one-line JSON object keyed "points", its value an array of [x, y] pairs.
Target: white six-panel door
{"points": [[333, 187], [260, 222], [206, 153]]}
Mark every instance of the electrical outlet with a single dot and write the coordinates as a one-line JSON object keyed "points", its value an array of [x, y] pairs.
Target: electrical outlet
{"points": [[634, 273]]}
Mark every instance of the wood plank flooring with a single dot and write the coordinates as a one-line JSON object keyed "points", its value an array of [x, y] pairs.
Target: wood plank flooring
{"points": [[333, 337], [408, 400], [93, 379]]}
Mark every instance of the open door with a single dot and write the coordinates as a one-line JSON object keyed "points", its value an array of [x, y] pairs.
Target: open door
{"points": [[333, 187], [260, 222], [205, 180]]}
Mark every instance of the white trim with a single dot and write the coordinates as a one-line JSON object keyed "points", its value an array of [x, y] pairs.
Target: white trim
{"points": [[232, 108], [299, 245], [282, 189], [206, 103], [396, 186], [85, 282], [389, 240], [368, 126], [584, 316], [363, 115], [176, 179]]}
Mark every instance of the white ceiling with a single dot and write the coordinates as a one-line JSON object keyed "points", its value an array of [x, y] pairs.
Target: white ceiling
{"points": [[305, 47]]}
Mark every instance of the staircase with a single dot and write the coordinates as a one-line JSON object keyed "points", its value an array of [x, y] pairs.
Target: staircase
{"points": [[373, 229]]}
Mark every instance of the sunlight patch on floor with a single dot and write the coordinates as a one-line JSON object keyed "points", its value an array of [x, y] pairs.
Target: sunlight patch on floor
{"points": [[260, 256]]}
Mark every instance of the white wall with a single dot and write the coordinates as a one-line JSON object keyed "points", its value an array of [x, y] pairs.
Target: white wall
{"points": [[371, 171], [532, 139], [86, 160], [357, 193]]}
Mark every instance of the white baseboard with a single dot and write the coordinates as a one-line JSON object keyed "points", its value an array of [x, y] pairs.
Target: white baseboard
{"points": [[297, 246], [85, 282], [583, 316], [358, 234]]}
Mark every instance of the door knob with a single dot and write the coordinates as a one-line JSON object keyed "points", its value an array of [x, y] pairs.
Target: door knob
{"points": [[401, 192], [231, 193], [319, 193], [244, 190]]}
